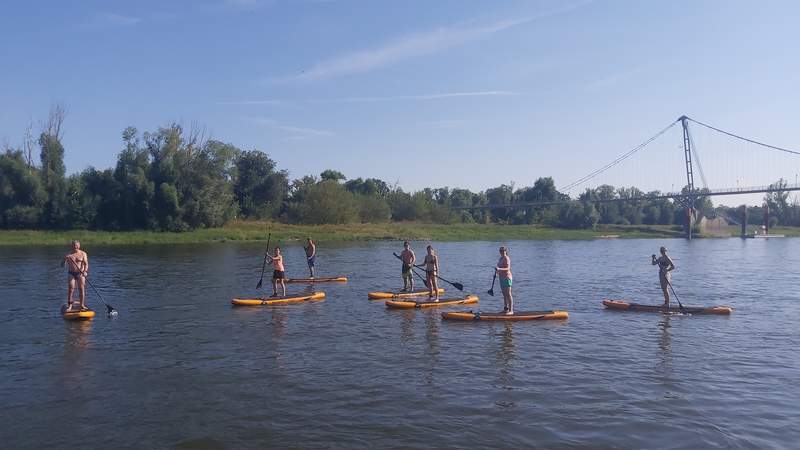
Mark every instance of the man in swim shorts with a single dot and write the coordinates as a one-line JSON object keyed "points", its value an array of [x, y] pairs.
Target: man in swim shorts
{"points": [[278, 272], [408, 258], [77, 263], [311, 256]]}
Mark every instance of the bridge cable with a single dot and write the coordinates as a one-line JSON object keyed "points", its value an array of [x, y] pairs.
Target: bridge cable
{"points": [[745, 139], [619, 159]]}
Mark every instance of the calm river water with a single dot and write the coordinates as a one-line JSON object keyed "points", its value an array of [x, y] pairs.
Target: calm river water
{"points": [[181, 368]]}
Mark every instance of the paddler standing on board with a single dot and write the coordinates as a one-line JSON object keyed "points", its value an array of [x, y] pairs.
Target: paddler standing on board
{"points": [[503, 270], [665, 266], [431, 272], [408, 258], [311, 255], [77, 263], [278, 272]]}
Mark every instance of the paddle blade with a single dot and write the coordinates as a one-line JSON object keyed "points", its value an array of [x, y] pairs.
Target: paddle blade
{"points": [[258, 286], [490, 292], [458, 286]]}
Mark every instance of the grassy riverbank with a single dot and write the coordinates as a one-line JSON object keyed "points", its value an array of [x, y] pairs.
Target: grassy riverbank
{"points": [[257, 231]]}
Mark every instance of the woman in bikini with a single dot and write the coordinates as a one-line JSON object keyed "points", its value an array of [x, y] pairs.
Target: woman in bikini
{"points": [[431, 271], [278, 272]]}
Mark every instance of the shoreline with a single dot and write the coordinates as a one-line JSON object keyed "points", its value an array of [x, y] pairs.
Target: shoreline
{"points": [[256, 231]]}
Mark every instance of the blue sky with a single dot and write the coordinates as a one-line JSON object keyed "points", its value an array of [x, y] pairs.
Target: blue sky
{"points": [[424, 93]]}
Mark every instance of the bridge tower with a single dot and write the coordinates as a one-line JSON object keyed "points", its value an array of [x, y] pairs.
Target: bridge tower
{"points": [[690, 197]]}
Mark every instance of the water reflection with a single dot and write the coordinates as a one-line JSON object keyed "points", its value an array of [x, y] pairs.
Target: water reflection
{"points": [[432, 340], [506, 355], [76, 341]]}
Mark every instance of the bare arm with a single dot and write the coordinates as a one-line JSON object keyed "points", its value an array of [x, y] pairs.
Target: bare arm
{"points": [[85, 264], [671, 266]]}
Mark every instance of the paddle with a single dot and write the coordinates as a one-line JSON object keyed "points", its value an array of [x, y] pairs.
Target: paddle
{"points": [[424, 281], [676, 295], [491, 289], [111, 311], [458, 286], [264, 264]]}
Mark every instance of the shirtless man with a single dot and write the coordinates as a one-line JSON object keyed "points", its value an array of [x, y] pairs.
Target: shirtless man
{"points": [[665, 266], [409, 258], [278, 272], [503, 270], [77, 263], [311, 255]]}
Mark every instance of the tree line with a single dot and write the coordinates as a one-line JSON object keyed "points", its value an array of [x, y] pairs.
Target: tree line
{"points": [[173, 179]]}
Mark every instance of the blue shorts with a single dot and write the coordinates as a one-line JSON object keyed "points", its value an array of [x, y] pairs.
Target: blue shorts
{"points": [[311, 261]]}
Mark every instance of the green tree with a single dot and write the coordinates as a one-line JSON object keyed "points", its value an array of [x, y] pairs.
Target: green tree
{"points": [[21, 192], [260, 188], [332, 175]]}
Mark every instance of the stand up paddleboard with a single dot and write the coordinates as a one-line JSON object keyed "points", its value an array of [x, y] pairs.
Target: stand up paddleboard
{"points": [[496, 316], [273, 301], [401, 304], [620, 305], [399, 294], [76, 314]]}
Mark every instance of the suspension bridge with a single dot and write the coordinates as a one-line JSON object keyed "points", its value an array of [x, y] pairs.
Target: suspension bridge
{"points": [[755, 166]]}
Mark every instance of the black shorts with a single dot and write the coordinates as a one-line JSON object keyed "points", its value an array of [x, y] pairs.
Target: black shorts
{"points": [[278, 275]]}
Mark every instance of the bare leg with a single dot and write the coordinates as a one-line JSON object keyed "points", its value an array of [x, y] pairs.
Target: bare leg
{"points": [[665, 290], [274, 287], [82, 291], [508, 300], [283, 286], [311, 270], [70, 290], [435, 287]]}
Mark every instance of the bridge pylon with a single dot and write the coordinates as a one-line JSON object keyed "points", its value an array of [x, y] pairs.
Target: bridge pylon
{"points": [[689, 200]]}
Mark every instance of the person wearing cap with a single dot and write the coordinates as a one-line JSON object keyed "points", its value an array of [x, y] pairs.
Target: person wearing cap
{"points": [[665, 266], [503, 270], [311, 256]]}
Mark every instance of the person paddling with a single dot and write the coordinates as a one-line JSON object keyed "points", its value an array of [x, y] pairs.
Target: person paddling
{"points": [[278, 272], [665, 266], [408, 258], [431, 271], [77, 263], [503, 270], [311, 255]]}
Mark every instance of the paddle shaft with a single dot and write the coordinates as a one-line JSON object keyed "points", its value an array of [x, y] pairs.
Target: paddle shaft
{"points": [[458, 286], [424, 281], [491, 289], [109, 307], [264, 264], [676, 295]]}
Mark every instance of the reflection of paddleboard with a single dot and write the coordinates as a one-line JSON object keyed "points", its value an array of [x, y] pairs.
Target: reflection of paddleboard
{"points": [[520, 315], [408, 304], [76, 314], [621, 305], [277, 300], [399, 294], [317, 280]]}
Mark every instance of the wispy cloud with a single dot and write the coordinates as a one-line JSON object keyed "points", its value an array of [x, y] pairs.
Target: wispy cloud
{"points": [[110, 20], [299, 131], [414, 45], [390, 98], [400, 49]]}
